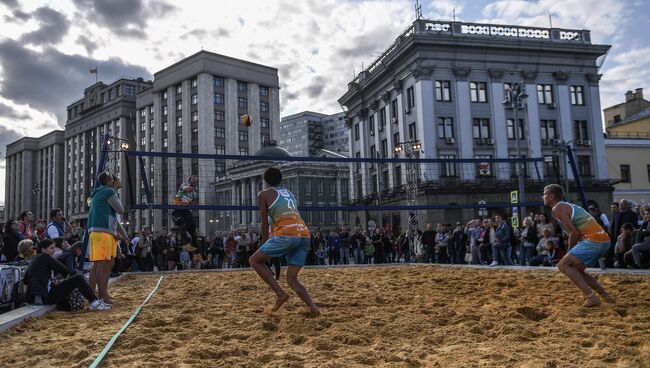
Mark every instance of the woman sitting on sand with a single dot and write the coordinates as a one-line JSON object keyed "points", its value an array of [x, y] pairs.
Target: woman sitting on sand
{"points": [[39, 280]]}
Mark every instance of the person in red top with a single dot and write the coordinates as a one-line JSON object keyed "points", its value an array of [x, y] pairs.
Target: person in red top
{"points": [[289, 237], [25, 221]]}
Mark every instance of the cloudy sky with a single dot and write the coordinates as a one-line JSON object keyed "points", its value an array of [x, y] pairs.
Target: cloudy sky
{"points": [[48, 47]]}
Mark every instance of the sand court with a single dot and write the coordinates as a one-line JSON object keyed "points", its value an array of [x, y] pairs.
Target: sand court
{"points": [[399, 316]]}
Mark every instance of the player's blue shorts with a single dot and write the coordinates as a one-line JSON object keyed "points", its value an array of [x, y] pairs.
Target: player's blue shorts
{"points": [[295, 249], [589, 252]]}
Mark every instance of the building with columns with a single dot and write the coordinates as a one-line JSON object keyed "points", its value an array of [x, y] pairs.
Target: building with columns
{"points": [[443, 84], [103, 109], [194, 106], [35, 175], [312, 183]]}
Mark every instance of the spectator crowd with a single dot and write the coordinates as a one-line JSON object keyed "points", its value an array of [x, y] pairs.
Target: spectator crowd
{"points": [[482, 241]]}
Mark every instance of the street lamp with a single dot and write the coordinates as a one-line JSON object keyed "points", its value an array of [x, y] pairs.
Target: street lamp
{"points": [[515, 99], [411, 148]]}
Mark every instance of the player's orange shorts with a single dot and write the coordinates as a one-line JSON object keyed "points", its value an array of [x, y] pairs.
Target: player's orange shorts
{"points": [[103, 246]]}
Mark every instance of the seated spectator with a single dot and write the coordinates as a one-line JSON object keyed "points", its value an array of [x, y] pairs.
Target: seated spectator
{"points": [[197, 262], [209, 262], [60, 245], [549, 254], [70, 256], [184, 263], [41, 288], [555, 253], [624, 243], [25, 251], [321, 254], [642, 246], [10, 240]]}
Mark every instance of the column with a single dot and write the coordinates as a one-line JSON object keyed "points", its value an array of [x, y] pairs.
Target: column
{"points": [[425, 116], [254, 131], [389, 140], [499, 123], [207, 168], [274, 112], [232, 119], [534, 142], [464, 117], [253, 186], [401, 123], [563, 103], [364, 148], [596, 127]]}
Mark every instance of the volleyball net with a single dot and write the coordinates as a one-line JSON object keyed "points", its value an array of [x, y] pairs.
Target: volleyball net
{"points": [[335, 191]]}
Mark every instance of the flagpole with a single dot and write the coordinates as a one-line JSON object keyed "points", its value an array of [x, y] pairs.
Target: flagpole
{"points": [[96, 74]]}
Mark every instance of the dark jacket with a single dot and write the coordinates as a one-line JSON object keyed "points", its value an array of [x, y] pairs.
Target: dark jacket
{"points": [[10, 247], [38, 276], [618, 221], [69, 259]]}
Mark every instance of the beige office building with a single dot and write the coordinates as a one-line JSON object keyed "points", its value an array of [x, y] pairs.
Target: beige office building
{"points": [[34, 175], [194, 106]]}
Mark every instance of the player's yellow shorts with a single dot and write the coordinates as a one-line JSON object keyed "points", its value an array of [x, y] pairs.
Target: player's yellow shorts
{"points": [[103, 246]]}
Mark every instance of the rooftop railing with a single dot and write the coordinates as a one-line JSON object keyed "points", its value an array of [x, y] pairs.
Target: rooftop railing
{"points": [[473, 30]]}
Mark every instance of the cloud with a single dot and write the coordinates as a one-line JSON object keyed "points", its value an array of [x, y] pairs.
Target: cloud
{"points": [[51, 80], [11, 4], [200, 34], [127, 18], [7, 111], [602, 17], [18, 16], [89, 45], [53, 27], [7, 136]]}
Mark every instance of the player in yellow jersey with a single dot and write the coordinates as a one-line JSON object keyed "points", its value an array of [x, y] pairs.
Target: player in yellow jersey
{"points": [[289, 237], [588, 242]]}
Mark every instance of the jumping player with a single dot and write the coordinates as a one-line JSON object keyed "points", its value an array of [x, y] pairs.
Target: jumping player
{"points": [[289, 237], [588, 242]]}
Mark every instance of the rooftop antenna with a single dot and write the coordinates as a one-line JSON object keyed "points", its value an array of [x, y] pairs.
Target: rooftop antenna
{"points": [[418, 10], [550, 20], [454, 11]]}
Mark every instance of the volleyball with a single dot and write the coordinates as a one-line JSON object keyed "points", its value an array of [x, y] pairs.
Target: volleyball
{"points": [[246, 120]]}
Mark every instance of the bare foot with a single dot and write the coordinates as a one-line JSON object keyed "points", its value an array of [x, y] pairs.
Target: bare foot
{"points": [[311, 312], [607, 298], [591, 300], [279, 301]]}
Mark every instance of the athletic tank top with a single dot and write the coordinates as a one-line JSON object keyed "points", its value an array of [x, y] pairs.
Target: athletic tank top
{"points": [[586, 225], [284, 217]]}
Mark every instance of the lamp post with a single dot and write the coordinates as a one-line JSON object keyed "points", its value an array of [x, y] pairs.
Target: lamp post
{"points": [[411, 148], [515, 99]]}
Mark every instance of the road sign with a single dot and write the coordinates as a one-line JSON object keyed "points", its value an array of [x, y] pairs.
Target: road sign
{"points": [[514, 196], [515, 221]]}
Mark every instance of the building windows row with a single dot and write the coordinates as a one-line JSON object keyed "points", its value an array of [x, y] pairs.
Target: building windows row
{"points": [[129, 90], [219, 115], [443, 91], [478, 92], [626, 173], [242, 102]]}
